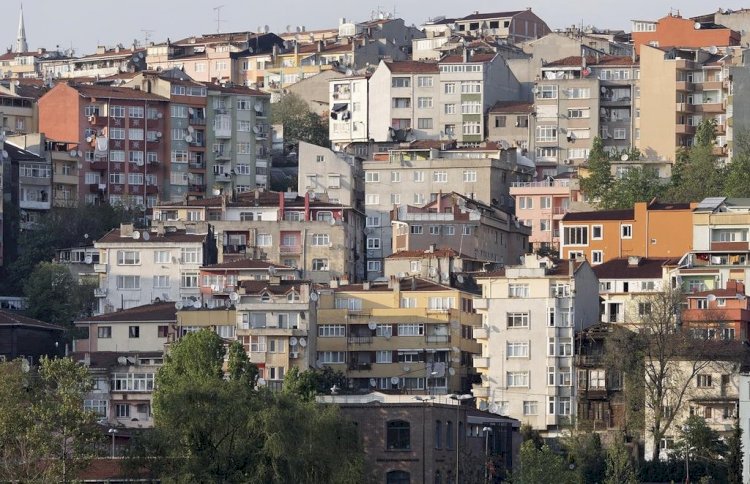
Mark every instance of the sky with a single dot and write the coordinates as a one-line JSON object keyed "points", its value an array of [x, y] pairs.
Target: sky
{"points": [[83, 24]]}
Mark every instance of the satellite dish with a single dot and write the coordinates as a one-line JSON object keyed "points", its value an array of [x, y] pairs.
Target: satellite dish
{"points": [[455, 349], [318, 364], [189, 139], [197, 304], [258, 106], [394, 380], [332, 221], [271, 270], [624, 157], [122, 360], [136, 235], [80, 153], [349, 72], [372, 325], [407, 368], [234, 296], [313, 296], [302, 342], [451, 371], [73, 153], [460, 279], [216, 191], [293, 341], [603, 89], [494, 408], [697, 25], [214, 287], [256, 130], [483, 405], [261, 381], [146, 236], [711, 298], [190, 129], [178, 305], [89, 259], [139, 162], [373, 382], [266, 29]]}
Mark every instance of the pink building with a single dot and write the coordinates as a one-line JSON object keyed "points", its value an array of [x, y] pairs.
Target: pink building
{"points": [[541, 205]]}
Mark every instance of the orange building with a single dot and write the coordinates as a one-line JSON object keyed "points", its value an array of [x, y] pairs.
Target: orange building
{"points": [[675, 31], [719, 313], [650, 229]]}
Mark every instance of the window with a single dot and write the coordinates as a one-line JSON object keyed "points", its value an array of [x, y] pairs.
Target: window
{"points": [[471, 87], [384, 330], [373, 243], [331, 330], [395, 198], [416, 230], [597, 379], [424, 81], [117, 111], [530, 407], [104, 332], [397, 477], [128, 257], [564, 406], [470, 176], [441, 303], [500, 121], [372, 177], [620, 133], [264, 240], [449, 108], [161, 282], [644, 308], [565, 347], [410, 302], [99, 407], [546, 133], [545, 225], [578, 113], [471, 128], [518, 290], [411, 329], [320, 264], [546, 91], [372, 221], [596, 256], [449, 435], [401, 82], [566, 377], [418, 176], [440, 176], [424, 123], [401, 102], [395, 176], [627, 231], [134, 332], [471, 107], [122, 410], [189, 255], [129, 282], [517, 349], [449, 88], [576, 236], [419, 198], [189, 279], [517, 379], [518, 320], [424, 102], [162, 331], [398, 436], [704, 381], [596, 232], [438, 434], [525, 203], [372, 199], [321, 240], [332, 357], [162, 257]]}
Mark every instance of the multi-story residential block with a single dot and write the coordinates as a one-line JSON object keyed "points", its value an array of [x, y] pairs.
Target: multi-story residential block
{"points": [[332, 174], [66, 158], [349, 109], [322, 239], [680, 88], [408, 334], [219, 281], [140, 267], [480, 230], [121, 132], [27, 179], [440, 265], [646, 230], [513, 122], [513, 26], [530, 315], [541, 205], [17, 113], [314, 90], [408, 440], [103, 62], [718, 313], [80, 262], [417, 174], [276, 322], [676, 31], [628, 285], [720, 245]]}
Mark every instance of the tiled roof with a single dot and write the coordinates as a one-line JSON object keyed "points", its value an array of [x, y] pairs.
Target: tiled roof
{"points": [[405, 284], [13, 318], [161, 311], [115, 92], [453, 59], [108, 359], [512, 107], [178, 236], [605, 60], [283, 287], [480, 16], [112, 53], [410, 67], [246, 264], [234, 89], [16, 153], [620, 269], [625, 214]]}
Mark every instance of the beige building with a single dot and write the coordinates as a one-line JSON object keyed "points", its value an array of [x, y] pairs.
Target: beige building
{"points": [[321, 238], [514, 123], [410, 335], [332, 174], [530, 314], [436, 264]]}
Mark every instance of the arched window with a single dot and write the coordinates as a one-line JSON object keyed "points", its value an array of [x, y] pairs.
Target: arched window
{"points": [[398, 435], [397, 477]]}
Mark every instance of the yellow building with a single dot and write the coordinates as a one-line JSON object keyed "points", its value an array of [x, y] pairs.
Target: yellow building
{"points": [[408, 335]]}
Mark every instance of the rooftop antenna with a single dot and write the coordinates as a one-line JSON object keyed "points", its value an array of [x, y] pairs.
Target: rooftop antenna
{"points": [[147, 35], [217, 9]]}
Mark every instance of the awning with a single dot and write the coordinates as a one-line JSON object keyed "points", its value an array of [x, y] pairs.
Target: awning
{"points": [[338, 107]]}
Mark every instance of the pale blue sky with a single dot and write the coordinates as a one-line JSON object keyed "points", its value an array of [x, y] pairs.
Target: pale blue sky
{"points": [[85, 23]]}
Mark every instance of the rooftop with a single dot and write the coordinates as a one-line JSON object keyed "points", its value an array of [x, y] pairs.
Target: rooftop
{"points": [[177, 236], [605, 60], [161, 311], [411, 67], [13, 318], [247, 264], [406, 285], [411, 254], [278, 288], [622, 269], [512, 107], [87, 90], [481, 16]]}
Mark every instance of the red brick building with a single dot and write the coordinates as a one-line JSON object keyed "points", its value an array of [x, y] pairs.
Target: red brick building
{"points": [[675, 31], [719, 313]]}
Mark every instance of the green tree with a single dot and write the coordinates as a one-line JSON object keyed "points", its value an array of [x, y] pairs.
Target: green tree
{"points": [[53, 295], [300, 124], [585, 451], [45, 433], [705, 133], [638, 185], [599, 180], [696, 174], [308, 383], [699, 441], [541, 465], [734, 455], [737, 183], [619, 466], [528, 433], [239, 367]]}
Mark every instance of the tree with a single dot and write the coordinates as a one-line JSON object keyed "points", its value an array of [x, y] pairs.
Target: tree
{"points": [[300, 124], [599, 180], [697, 174], [585, 451], [541, 465], [53, 295], [45, 433], [699, 441], [638, 185], [528, 433], [308, 383], [734, 455], [239, 367], [737, 182], [619, 467]]}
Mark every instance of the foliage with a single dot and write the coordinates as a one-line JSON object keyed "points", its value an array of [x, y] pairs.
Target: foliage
{"points": [[211, 427], [734, 455], [45, 433], [599, 180], [585, 451], [619, 468], [528, 433], [705, 133], [737, 180], [548, 251], [699, 441], [300, 124], [54, 296], [541, 465], [637, 185], [696, 178], [308, 383]]}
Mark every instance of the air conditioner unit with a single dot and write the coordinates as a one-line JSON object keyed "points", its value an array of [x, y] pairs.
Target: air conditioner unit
{"points": [[294, 354]]}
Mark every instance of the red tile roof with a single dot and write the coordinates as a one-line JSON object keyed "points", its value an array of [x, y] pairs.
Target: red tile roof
{"points": [[115, 92], [13, 318], [413, 67], [178, 236], [605, 60], [235, 90], [512, 107], [246, 264], [161, 311], [620, 269], [411, 254]]}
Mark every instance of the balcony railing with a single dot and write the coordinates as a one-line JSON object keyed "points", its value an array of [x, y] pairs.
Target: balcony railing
{"points": [[541, 184], [438, 338], [235, 249], [290, 249], [360, 366], [481, 362], [359, 340]]}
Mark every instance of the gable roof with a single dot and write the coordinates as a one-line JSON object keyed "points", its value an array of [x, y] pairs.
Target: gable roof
{"points": [[620, 269], [481, 16], [13, 318], [87, 90], [161, 311], [410, 67]]}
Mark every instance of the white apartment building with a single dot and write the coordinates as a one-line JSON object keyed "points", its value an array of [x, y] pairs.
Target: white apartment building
{"points": [[348, 98], [530, 314], [140, 267], [331, 174]]}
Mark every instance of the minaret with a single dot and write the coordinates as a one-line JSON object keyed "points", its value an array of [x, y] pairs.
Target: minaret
{"points": [[21, 45]]}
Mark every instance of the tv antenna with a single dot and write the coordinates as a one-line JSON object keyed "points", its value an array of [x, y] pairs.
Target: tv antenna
{"points": [[147, 35], [217, 9]]}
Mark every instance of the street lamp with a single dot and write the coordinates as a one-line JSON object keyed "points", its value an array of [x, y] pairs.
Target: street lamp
{"points": [[113, 432], [424, 400], [486, 431], [459, 398]]}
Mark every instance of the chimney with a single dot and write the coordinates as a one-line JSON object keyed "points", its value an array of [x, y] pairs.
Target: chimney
{"points": [[320, 46], [307, 207], [634, 261], [281, 205], [571, 267], [392, 282], [334, 284], [413, 283], [431, 249], [126, 230]]}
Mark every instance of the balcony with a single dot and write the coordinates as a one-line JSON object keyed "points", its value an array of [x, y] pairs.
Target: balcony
{"points": [[719, 151], [235, 249], [360, 366], [223, 154], [359, 340], [152, 189], [588, 360], [100, 292], [481, 362], [684, 86], [684, 108], [438, 338], [196, 121], [684, 129], [710, 108], [100, 268], [223, 133], [711, 86], [290, 249], [480, 392], [481, 333], [99, 165], [197, 165], [197, 188], [594, 393]]}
